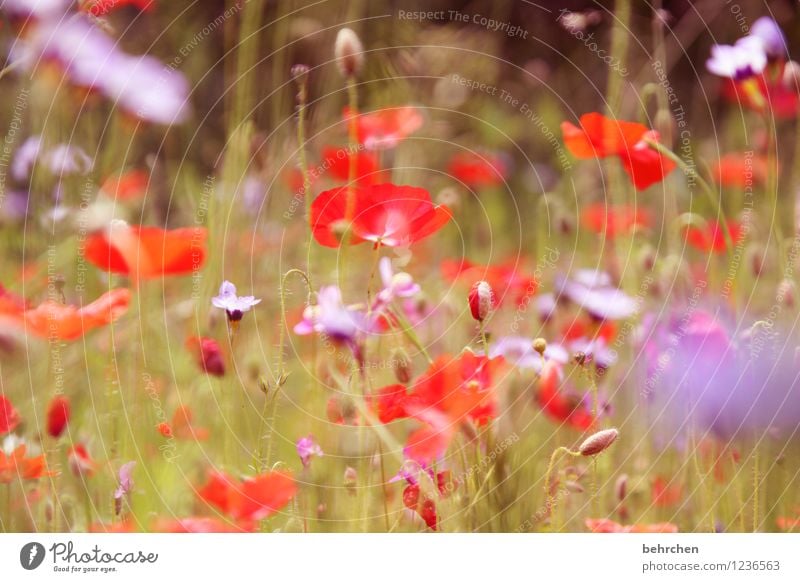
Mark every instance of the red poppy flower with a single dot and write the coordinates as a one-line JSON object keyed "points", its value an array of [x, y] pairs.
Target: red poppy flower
{"points": [[609, 526], [337, 160], [105, 7], [612, 221], [765, 92], [9, 417], [383, 214], [200, 525], [52, 319], [17, 466], [147, 252], [208, 355], [601, 137], [451, 392], [182, 427], [427, 508], [711, 239], [58, 413], [80, 462], [477, 170], [130, 185], [505, 279], [385, 128], [570, 410], [666, 494], [251, 499], [741, 170]]}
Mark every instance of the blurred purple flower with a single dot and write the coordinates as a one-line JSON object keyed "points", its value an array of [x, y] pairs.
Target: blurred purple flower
{"points": [[38, 9], [592, 291], [332, 318], [234, 306], [125, 480], [745, 59], [61, 160], [306, 448], [771, 35], [519, 352]]}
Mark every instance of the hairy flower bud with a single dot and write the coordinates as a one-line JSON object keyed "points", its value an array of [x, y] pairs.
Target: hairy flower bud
{"points": [[598, 442], [349, 53], [540, 345], [481, 300]]}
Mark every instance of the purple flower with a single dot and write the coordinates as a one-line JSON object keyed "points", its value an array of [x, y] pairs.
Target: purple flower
{"points": [[306, 448], [745, 59], [233, 305], [61, 160], [332, 318], [395, 285], [125, 480], [38, 9], [519, 352], [771, 35], [592, 291]]}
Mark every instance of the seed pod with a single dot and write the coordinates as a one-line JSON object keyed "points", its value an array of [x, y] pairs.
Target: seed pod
{"points": [[349, 53], [598, 442], [481, 300]]}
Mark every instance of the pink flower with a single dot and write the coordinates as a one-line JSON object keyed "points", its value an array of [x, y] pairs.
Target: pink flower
{"points": [[307, 448]]}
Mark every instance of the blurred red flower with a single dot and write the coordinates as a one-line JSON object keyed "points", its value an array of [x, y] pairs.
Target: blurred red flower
{"points": [[80, 462], [130, 185], [105, 7], [9, 417], [571, 410], [383, 214], [147, 252], [58, 413], [601, 137], [768, 91], [505, 279], [477, 170], [251, 499], [17, 466], [200, 525], [741, 170], [665, 493], [338, 160], [207, 354], [609, 526], [385, 128], [711, 238], [613, 221]]}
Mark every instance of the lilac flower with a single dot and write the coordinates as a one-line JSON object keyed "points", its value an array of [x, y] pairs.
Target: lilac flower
{"points": [[38, 9], [771, 35], [61, 160], [519, 352], [140, 85], [125, 480], [306, 448], [596, 349], [332, 318], [396, 284], [233, 305], [592, 291], [745, 59]]}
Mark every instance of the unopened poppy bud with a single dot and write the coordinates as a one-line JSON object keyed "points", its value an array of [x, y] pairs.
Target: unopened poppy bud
{"points": [[540, 345], [58, 414], [350, 480], [621, 487], [403, 366], [481, 298], [647, 258], [598, 442], [791, 75], [787, 293], [349, 53]]}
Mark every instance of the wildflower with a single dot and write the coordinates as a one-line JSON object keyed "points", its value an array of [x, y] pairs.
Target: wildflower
{"points": [[35, 9], [481, 301], [478, 170], [60, 160], [208, 355], [609, 526], [201, 525], [68, 322], [384, 214], [740, 61], [235, 307], [14, 465], [125, 486], [349, 53], [506, 279], [612, 221], [146, 252], [426, 509], [350, 479], [665, 493], [523, 353], [58, 413], [601, 137], [250, 499], [771, 36], [592, 291], [561, 404], [711, 237], [182, 427], [306, 448], [9, 417], [395, 284], [598, 442], [385, 128], [741, 171], [331, 318], [130, 185], [337, 160], [80, 462]]}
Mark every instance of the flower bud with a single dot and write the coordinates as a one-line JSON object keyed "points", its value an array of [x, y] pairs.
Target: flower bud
{"points": [[349, 53], [598, 442], [299, 73], [403, 366], [787, 293], [350, 480], [58, 413], [481, 300], [540, 345], [621, 487]]}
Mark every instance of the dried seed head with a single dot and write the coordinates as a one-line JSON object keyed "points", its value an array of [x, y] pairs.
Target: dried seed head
{"points": [[598, 442], [349, 53], [540, 345], [481, 300]]}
